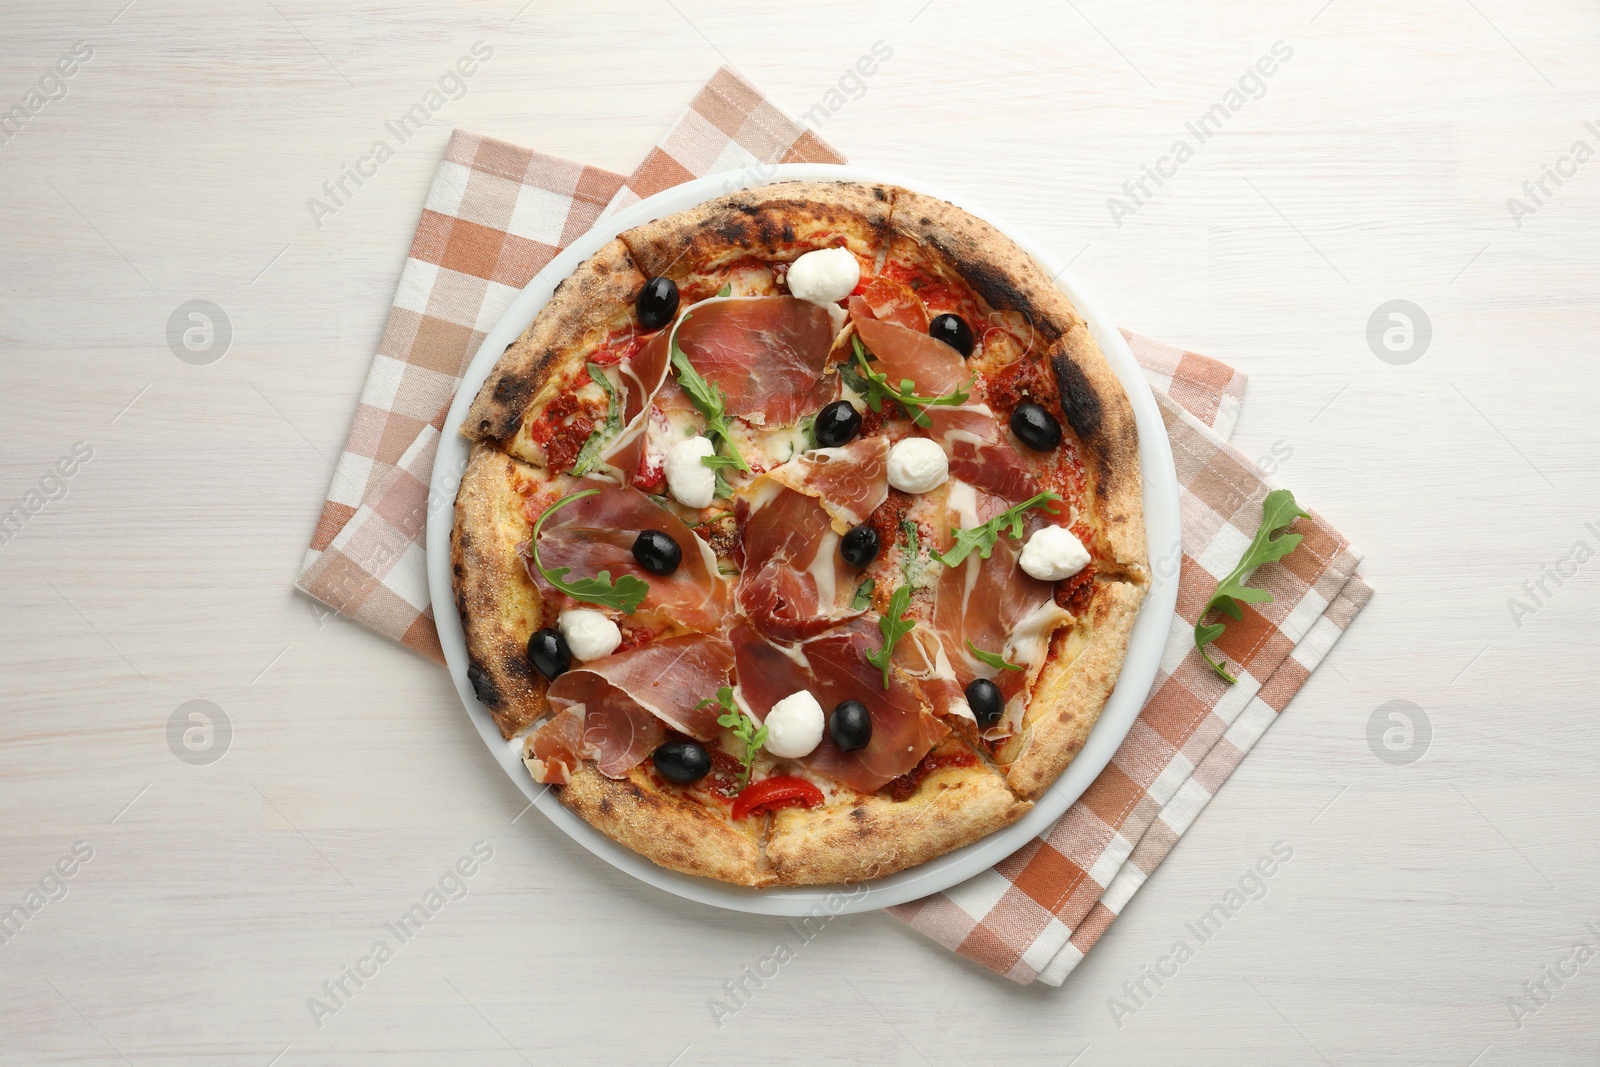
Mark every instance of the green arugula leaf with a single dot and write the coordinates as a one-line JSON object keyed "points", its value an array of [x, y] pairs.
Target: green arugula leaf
{"points": [[993, 659], [709, 399], [1278, 511], [981, 539], [743, 727], [625, 595], [911, 567], [726, 290], [894, 627], [879, 389], [808, 429], [863, 598], [853, 378], [602, 435]]}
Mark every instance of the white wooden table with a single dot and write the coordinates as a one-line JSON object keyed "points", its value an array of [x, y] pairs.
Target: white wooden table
{"points": [[219, 898]]}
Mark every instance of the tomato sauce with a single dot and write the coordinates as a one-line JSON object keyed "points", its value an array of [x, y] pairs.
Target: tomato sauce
{"points": [[905, 786]]}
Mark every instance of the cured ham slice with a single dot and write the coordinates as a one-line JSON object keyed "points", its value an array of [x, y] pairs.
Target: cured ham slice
{"points": [[794, 583], [934, 368], [627, 700], [850, 482], [994, 604], [995, 468], [596, 534], [557, 748], [642, 378], [892, 301], [833, 667], [765, 352]]}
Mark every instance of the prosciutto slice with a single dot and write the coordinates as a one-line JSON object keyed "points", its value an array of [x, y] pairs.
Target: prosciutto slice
{"points": [[626, 701], [794, 583], [765, 352], [834, 668], [642, 378], [597, 533], [934, 368], [850, 482], [995, 468], [997, 606]]}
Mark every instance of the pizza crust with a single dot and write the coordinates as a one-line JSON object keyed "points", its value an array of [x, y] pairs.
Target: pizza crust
{"points": [[1100, 417], [1005, 276], [666, 827], [774, 222], [597, 299], [1072, 689], [871, 835], [499, 606]]}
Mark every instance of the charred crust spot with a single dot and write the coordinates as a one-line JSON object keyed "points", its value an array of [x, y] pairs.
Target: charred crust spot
{"points": [[483, 686], [1080, 404], [858, 813], [788, 232], [605, 805]]}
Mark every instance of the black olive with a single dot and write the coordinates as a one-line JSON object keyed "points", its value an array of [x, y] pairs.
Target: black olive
{"points": [[684, 762], [984, 698], [657, 303], [548, 652], [837, 424], [1035, 427], [850, 725], [657, 552], [859, 547], [953, 331]]}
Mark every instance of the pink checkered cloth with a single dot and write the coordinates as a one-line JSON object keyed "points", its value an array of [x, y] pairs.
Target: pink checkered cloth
{"points": [[496, 214]]}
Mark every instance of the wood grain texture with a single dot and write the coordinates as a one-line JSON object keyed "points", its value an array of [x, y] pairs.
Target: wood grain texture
{"points": [[1376, 166]]}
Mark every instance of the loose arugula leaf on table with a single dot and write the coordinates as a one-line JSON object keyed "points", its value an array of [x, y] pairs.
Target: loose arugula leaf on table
{"points": [[981, 538], [894, 627], [1278, 511], [993, 659], [602, 435], [625, 595], [879, 389], [743, 727], [863, 599]]}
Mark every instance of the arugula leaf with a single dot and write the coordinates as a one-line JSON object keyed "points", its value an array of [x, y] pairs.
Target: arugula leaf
{"points": [[808, 428], [709, 399], [852, 377], [981, 539], [1278, 511], [589, 455], [894, 627], [726, 290], [993, 659], [910, 567], [863, 598], [625, 595], [743, 727], [879, 389]]}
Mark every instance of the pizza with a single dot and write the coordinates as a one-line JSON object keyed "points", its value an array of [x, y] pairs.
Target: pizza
{"points": [[801, 536]]}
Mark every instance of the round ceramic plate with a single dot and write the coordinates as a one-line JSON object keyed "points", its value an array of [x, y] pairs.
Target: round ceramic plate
{"points": [[1138, 670]]}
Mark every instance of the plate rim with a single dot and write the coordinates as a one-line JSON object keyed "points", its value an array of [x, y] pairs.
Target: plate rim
{"points": [[1140, 666]]}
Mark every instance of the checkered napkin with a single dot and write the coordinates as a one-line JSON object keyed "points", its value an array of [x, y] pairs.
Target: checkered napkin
{"points": [[496, 214]]}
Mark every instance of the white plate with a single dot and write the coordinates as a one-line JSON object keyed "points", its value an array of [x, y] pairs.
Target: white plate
{"points": [[1149, 637]]}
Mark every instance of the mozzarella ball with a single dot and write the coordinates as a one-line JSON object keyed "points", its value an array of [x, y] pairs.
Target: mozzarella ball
{"points": [[590, 635], [917, 465], [825, 276], [1053, 553], [693, 483], [794, 726]]}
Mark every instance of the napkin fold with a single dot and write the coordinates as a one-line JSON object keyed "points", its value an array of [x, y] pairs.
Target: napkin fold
{"points": [[496, 214]]}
